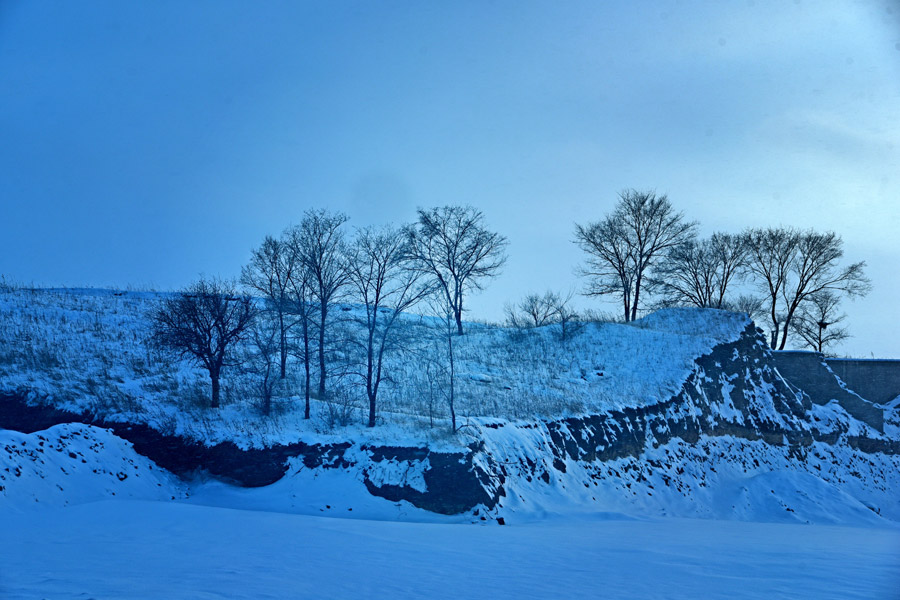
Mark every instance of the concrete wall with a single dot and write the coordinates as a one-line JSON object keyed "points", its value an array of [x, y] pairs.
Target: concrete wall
{"points": [[877, 380], [809, 372]]}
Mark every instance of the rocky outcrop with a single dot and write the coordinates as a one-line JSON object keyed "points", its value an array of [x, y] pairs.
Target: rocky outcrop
{"points": [[733, 391]]}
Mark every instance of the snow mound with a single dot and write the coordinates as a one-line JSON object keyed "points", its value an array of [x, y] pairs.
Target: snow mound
{"points": [[794, 497], [75, 464], [723, 478], [324, 492]]}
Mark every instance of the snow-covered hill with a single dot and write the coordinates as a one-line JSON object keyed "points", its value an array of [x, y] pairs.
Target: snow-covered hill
{"points": [[85, 351], [682, 413]]}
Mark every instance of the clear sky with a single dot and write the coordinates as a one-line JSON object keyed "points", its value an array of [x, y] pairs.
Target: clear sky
{"points": [[146, 143]]}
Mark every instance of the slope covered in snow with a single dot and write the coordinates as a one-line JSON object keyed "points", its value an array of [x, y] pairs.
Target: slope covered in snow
{"points": [[542, 418], [677, 373], [85, 350]]}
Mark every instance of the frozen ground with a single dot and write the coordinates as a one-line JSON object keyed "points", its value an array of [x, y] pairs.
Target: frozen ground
{"points": [[143, 549], [83, 516]]}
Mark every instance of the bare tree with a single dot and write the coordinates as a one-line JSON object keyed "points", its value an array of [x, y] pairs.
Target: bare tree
{"points": [[269, 272], [816, 271], [626, 244], [319, 243], [568, 318], [303, 310], [534, 310], [428, 387], [537, 310], [386, 285], [818, 322], [264, 359], [770, 253], [445, 312], [792, 266], [204, 323], [609, 268], [753, 306], [698, 273], [452, 245]]}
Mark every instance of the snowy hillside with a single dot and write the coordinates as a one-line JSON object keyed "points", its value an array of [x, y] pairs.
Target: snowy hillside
{"points": [[612, 419], [663, 458], [84, 350]]}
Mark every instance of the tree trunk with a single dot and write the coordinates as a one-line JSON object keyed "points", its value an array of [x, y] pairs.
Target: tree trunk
{"points": [[283, 341], [306, 365], [452, 386], [322, 376], [371, 411], [214, 378], [787, 323], [637, 295], [775, 329], [784, 335], [458, 316], [371, 391]]}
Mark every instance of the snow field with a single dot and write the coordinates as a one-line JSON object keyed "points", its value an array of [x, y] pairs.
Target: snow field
{"points": [[136, 550], [125, 537]]}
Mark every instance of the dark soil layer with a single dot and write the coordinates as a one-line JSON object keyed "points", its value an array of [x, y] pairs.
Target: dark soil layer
{"points": [[454, 483]]}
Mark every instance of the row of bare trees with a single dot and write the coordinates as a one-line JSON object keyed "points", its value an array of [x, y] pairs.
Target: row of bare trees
{"points": [[795, 277], [308, 277]]}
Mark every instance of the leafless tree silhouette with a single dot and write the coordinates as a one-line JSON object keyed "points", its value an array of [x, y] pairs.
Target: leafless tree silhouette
{"points": [[623, 246], [204, 323], [452, 245]]}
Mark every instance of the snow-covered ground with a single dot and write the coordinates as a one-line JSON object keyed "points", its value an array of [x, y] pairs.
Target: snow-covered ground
{"points": [[86, 350], [140, 549], [82, 515]]}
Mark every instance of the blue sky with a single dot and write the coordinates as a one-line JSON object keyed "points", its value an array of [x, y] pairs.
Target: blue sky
{"points": [[146, 143]]}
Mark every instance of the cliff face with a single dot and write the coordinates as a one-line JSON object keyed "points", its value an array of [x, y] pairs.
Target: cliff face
{"points": [[739, 438], [737, 390], [736, 421]]}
